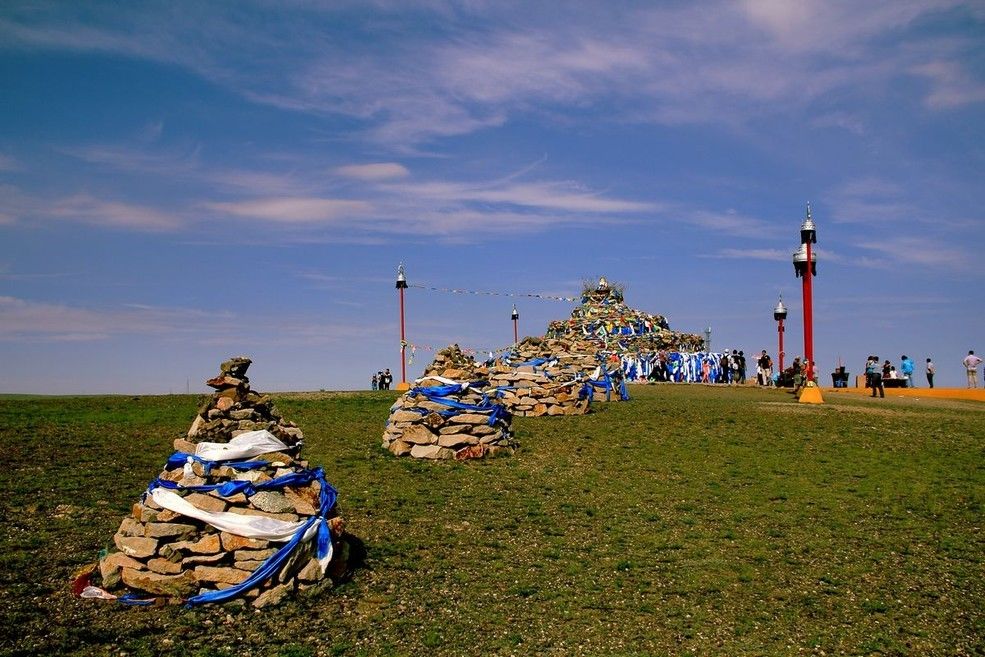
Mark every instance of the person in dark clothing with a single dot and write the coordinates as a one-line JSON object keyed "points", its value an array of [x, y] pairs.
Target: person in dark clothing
{"points": [[742, 367], [387, 379], [874, 374], [930, 372]]}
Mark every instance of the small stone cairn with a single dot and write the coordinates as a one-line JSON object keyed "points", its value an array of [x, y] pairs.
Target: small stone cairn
{"points": [[452, 363], [167, 554], [422, 426]]}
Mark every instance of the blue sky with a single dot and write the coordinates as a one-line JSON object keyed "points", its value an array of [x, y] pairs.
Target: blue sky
{"points": [[183, 182]]}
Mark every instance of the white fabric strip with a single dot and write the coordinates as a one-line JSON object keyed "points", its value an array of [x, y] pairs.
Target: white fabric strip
{"points": [[245, 445], [269, 529]]}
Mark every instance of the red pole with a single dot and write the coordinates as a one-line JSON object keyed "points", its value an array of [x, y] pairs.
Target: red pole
{"points": [[516, 334], [403, 342], [779, 331], [809, 314]]}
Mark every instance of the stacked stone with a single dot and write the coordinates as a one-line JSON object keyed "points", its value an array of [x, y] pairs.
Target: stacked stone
{"points": [[164, 553], [422, 427], [529, 392], [452, 363], [603, 322], [235, 409]]}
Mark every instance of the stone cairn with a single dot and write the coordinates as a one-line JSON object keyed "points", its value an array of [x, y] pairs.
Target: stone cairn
{"points": [[452, 363], [531, 391], [428, 422], [168, 554]]}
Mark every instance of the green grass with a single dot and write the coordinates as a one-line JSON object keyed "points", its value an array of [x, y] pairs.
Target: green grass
{"points": [[692, 520]]}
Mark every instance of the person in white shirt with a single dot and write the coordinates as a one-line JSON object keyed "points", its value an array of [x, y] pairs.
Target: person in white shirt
{"points": [[971, 363]]}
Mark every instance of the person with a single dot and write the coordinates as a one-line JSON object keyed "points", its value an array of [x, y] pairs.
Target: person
{"points": [[742, 367], [930, 373], [381, 381], [733, 365], [705, 370], [875, 376], [375, 382], [765, 364], [971, 363], [388, 378], [906, 367], [888, 370]]}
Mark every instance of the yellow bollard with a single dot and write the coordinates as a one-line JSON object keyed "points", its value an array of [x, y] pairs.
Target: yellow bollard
{"points": [[811, 394]]}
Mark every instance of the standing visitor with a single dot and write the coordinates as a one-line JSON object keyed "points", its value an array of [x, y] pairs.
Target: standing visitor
{"points": [[930, 373], [906, 367], [971, 363], [742, 367], [874, 375], [765, 364], [375, 382], [705, 370], [389, 378], [733, 366]]}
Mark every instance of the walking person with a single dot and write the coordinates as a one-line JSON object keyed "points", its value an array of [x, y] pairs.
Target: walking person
{"points": [[906, 367], [766, 365], [971, 363], [874, 373], [930, 373]]}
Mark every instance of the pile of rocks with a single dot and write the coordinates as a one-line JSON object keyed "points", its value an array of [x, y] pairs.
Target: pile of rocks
{"points": [[530, 392], [603, 322], [235, 409], [452, 363], [422, 426], [174, 554]]}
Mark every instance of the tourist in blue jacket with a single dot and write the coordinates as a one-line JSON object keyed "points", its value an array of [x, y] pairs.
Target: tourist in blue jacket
{"points": [[906, 368]]}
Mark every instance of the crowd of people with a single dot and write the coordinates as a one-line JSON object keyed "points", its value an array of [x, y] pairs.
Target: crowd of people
{"points": [[878, 375], [382, 380]]}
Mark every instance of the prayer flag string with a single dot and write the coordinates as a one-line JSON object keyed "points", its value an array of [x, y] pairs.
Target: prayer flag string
{"points": [[450, 290]]}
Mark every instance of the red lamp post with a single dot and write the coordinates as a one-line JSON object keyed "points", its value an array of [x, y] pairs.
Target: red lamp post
{"points": [[780, 314], [516, 334], [401, 286], [805, 266]]}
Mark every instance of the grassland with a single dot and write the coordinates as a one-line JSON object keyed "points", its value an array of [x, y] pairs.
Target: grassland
{"points": [[690, 521]]}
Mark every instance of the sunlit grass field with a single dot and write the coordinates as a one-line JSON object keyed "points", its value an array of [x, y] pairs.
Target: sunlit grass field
{"points": [[689, 521]]}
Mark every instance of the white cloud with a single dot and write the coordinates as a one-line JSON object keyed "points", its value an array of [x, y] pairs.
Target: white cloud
{"points": [[376, 171], [296, 210], [88, 209], [951, 85]]}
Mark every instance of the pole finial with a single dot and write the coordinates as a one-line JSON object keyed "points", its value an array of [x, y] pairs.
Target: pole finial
{"points": [[401, 277]]}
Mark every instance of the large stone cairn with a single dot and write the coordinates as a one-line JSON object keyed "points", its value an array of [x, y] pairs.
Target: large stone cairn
{"points": [[603, 322], [163, 553], [424, 428]]}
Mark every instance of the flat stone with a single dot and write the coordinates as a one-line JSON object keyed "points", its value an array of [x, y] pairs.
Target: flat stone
{"points": [[457, 439], [194, 429], [399, 448], [224, 404], [418, 435], [169, 530], [231, 542], [431, 452], [131, 527], [256, 555], [471, 452], [173, 585], [243, 414], [248, 564], [491, 438], [311, 572], [164, 566], [206, 502], [276, 459], [272, 502], [244, 511], [184, 446], [208, 544], [405, 416], [252, 476], [111, 566], [470, 418], [219, 574], [272, 596], [305, 499], [433, 420], [555, 410], [482, 429], [199, 559], [139, 547]]}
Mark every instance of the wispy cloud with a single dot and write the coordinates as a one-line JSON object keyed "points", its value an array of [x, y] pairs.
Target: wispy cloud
{"points": [[8, 163], [88, 209], [951, 85], [375, 171], [296, 210]]}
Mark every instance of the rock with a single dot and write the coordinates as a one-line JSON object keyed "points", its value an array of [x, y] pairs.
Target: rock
{"points": [[418, 434], [400, 448], [272, 596], [172, 585], [304, 500], [208, 544], [219, 574], [311, 571], [195, 428], [457, 439], [253, 555], [184, 446], [231, 542], [405, 416], [164, 566], [471, 452], [168, 530], [131, 527], [111, 566], [272, 502], [206, 502], [431, 452], [139, 547], [471, 418], [248, 511]]}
